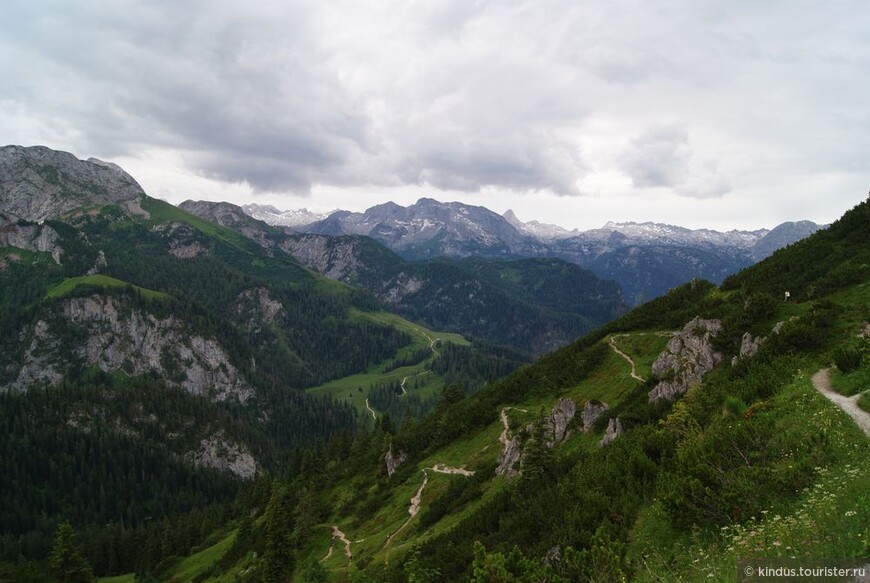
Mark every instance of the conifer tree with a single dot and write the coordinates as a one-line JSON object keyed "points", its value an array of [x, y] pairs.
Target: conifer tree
{"points": [[67, 562], [278, 522]]}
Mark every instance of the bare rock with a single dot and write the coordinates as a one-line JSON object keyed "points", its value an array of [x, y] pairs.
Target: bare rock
{"points": [[509, 457], [592, 410], [511, 449], [222, 454], [115, 337], [31, 237], [394, 461], [257, 305], [99, 264], [614, 430], [688, 357], [37, 183], [557, 423], [749, 347]]}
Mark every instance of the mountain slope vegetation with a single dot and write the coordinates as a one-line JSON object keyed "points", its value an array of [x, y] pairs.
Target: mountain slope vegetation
{"points": [[577, 468], [152, 361]]}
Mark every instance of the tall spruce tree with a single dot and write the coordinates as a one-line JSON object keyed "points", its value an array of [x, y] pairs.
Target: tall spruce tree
{"points": [[67, 562]]}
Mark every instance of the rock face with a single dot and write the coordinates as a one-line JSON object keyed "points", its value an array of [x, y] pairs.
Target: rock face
{"points": [[511, 449], [393, 461], [347, 259], [38, 183], [113, 336], [688, 357], [232, 217], [749, 347], [614, 430], [509, 457], [219, 453], [592, 410], [40, 238], [557, 423]]}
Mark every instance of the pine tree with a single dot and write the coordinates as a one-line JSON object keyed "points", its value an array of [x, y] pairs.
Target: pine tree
{"points": [[66, 559], [278, 522]]}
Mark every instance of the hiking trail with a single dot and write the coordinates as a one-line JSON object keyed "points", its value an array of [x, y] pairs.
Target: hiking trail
{"points": [[849, 405]]}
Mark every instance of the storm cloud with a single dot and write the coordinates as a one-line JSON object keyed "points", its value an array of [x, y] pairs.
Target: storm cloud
{"points": [[696, 100]]}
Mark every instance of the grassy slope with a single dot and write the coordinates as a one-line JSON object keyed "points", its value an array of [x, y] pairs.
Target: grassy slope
{"points": [[428, 384], [609, 382], [68, 285]]}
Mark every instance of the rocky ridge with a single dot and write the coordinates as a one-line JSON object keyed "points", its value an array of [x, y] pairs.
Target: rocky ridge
{"points": [[115, 336], [688, 356], [37, 184]]}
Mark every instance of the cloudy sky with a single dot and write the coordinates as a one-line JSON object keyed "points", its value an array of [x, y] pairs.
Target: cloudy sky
{"points": [[724, 114]]}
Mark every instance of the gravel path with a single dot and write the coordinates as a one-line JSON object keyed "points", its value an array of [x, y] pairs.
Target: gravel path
{"points": [[616, 349], [372, 411], [822, 383]]}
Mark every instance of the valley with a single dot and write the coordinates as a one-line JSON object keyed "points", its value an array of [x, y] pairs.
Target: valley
{"points": [[204, 397]]}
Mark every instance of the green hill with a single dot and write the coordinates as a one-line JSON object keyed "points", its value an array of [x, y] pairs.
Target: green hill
{"points": [[750, 461]]}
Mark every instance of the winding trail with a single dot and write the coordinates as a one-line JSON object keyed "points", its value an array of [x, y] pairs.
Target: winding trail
{"points": [[372, 411], [404, 380], [413, 509], [416, 500], [849, 405], [337, 534], [616, 349], [432, 342]]}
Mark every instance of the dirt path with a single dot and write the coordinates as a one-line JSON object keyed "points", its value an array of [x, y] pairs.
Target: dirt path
{"points": [[432, 342], [329, 552], [822, 383], [337, 534], [372, 411], [443, 469], [616, 349], [413, 509], [404, 380]]}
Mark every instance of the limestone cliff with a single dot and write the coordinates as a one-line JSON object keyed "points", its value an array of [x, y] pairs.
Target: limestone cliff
{"points": [[109, 333], [37, 183], [688, 357]]}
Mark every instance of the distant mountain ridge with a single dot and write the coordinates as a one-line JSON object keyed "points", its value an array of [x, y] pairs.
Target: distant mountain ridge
{"points": [[531, 304], [291, 218], [646, 259]]}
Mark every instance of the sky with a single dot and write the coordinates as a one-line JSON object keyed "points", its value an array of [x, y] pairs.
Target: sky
{"points": [[719, 114]]}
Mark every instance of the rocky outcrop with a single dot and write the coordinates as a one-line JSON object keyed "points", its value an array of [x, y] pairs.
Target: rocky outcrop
{"points": [[614, 430], [110, 334], [511, 449], [335, 257], [393, 461], [31, 237], [183, 241], [222, 454], [38, 183], [232, 217], [749, 347], [688, 357], [592, 410], [100, 263], [557, 422], [258, 305]]}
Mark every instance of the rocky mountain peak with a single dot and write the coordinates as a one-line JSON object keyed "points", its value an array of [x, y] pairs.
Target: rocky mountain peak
{"points": [[38, 183]]}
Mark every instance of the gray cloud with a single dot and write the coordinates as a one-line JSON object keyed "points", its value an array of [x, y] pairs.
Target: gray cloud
{"points": [[459, 95]]}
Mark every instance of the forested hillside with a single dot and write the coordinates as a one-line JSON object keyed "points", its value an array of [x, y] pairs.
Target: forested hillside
{"points": [[531, 305], [152, 362], [690, 433]]}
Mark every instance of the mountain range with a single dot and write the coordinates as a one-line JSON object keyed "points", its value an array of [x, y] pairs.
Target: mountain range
{"points": [[198, 395], [645, 259]]}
